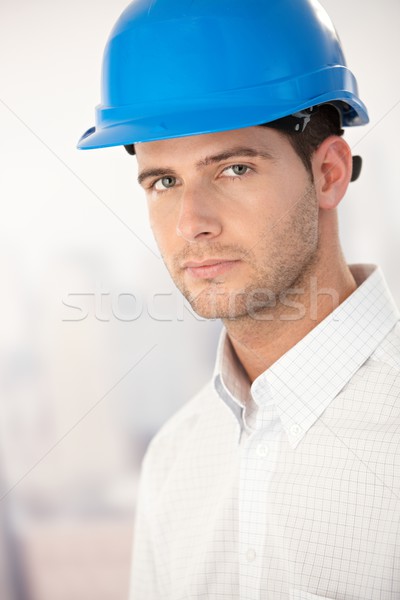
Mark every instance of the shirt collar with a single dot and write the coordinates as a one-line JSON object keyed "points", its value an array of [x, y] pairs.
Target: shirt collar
{"points": [[304, 381], [230, 379]]}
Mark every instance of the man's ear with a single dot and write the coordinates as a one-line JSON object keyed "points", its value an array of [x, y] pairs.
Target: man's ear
{"points": [[332, 167]]}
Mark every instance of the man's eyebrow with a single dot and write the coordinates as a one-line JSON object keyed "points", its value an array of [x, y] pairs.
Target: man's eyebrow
{"points": [[235, 152], [208, 160], [160, 172]]}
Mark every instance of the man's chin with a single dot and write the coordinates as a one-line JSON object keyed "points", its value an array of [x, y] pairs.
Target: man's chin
{"points": [[218, 305]]}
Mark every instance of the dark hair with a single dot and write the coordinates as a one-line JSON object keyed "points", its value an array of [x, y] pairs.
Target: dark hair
{"points": [[324, 122]]}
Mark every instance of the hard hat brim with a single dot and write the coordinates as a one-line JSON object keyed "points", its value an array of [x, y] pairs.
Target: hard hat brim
{"points": [[113, 130]]}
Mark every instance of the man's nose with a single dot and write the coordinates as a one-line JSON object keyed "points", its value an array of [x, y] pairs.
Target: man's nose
{"points": [[199, 217]]}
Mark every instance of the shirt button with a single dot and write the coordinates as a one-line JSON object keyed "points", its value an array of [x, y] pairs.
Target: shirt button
{"points": [[251, 555], [295, 429], [262, 450]]}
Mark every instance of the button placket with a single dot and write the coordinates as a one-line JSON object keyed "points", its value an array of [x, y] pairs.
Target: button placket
{"points": [[257, 461]]}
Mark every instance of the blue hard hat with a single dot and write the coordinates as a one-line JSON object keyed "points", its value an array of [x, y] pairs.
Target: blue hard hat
{"points": [[174, 68]]}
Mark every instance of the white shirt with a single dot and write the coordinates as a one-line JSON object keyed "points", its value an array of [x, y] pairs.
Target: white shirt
{"points": [[289, 490]]}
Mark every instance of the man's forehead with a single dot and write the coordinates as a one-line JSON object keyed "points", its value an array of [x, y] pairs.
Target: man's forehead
{"points": [[199, 147]]}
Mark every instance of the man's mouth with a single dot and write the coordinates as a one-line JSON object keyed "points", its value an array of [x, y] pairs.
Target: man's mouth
{"points": [[209, 268]]}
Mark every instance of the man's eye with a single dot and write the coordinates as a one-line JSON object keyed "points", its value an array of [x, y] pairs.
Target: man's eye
{"points": [[236, 170], [164, 183]]}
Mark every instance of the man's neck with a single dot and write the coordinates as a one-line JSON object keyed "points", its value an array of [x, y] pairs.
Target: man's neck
{"points": [[262, 338]]}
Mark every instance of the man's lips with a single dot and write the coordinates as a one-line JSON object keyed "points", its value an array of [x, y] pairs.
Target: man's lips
{"points": [[210, 268]]}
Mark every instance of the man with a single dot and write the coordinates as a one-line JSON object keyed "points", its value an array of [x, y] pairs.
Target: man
{"points": [[280, 479]]}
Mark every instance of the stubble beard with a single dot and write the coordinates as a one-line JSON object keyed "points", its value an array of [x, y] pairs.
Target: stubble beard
{"points": [[290, 248]]}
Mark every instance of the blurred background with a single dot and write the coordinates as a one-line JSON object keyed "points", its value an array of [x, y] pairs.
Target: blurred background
{"points": [[97, 348]]}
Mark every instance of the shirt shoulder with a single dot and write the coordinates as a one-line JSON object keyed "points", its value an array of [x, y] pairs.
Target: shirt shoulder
{"points": [[182, 433], [182, 421], [388, 351], [373, 393]]}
